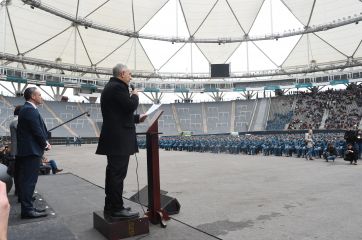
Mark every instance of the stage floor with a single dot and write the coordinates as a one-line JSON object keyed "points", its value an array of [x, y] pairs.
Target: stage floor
{"points": [[227, 196], [72, 201]]}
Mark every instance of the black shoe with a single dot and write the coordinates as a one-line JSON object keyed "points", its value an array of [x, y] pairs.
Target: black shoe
{"points": [[108, 210], [39, 210], [124, 214], [33, 214]]}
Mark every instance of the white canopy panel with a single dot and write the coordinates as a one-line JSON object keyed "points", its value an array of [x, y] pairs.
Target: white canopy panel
{"points": [[195, 12], [328, 10], [217, 53], [182, 61], [358, 53], [117, 14], [42, 35], [109, 43], [160, 52], [132, 54], [7, 43], [62, 47], [246, 12], [283, 45], [168, 22], [339, 36], [30, 31], [300, 8], [309, 48], [239, 60], [220, 23]]}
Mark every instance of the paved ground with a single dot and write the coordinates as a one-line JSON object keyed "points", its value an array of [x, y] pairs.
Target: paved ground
{"points": [[245, 197]]}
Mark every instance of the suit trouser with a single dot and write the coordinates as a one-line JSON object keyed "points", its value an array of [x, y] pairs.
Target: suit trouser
{"points": [[116, 172], [16, 177], [28, 177]]}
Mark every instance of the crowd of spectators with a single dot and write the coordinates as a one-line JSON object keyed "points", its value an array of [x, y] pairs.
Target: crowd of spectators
{"points": [[356, 91], [341, 107], [308, 111]]}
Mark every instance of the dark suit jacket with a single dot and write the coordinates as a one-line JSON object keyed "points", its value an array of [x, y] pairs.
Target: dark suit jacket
{"points": [[31, 132], [14, 145], [118, 134]]}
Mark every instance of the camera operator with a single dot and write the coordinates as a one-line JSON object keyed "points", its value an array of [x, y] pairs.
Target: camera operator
{"points": [[359, 143], [351, 137]]}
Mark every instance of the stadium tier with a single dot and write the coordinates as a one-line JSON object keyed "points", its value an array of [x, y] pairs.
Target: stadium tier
{"points": [[321, 110]]}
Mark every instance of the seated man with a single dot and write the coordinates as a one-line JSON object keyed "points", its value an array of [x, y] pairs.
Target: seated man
{"points": [[51, 163]]}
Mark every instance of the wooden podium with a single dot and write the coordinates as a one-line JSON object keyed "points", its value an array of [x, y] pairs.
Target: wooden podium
{"points": [[155, 213]]}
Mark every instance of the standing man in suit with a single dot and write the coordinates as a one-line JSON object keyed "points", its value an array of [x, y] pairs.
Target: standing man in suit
{"points": [[14, 149], [32, 138], [118, 138]]}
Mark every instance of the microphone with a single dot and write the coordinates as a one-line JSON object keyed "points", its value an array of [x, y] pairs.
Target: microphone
{"points": [[132, 87]]}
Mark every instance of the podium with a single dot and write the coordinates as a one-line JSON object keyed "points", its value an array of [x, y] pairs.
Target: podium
{"points": [[155, 213]]}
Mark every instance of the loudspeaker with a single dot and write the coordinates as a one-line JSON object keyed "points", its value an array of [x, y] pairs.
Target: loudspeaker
{"points": [[169, 204]]}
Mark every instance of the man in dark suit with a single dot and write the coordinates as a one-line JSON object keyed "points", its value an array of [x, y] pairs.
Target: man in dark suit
{"points": [[118, 137], [32, 139], [14, 146]]}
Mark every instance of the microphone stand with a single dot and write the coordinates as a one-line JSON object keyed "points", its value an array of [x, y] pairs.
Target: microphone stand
{"points": [[49, 131]]}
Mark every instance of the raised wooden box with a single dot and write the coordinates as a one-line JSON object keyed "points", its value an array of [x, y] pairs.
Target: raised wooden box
{"points": [[114, 229]]}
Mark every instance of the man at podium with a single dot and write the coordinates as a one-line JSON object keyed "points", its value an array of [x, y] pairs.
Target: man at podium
{"points": [[118, 137]]}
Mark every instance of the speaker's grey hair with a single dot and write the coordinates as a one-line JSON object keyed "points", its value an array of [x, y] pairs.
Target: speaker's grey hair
{"points": [[118, 69]]}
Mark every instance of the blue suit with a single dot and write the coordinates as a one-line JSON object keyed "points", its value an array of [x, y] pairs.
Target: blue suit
{"points": [[31, 141], [31, 132]]}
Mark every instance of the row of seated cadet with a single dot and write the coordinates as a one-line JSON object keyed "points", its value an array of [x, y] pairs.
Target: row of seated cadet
{"points": [[278, 144]]}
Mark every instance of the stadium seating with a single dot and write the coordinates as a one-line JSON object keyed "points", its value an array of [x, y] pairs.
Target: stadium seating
{"points": [[329, 110]]}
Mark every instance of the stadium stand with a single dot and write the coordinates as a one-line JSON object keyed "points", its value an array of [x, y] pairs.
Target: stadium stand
{"points": [[344, 111], [338, 107], [322, 110], [218, 117], [167, 121], [280, 112], [243, 113], [190, 117]]}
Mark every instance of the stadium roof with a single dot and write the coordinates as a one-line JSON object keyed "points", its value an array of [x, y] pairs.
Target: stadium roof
{"points": [[184, 35]]}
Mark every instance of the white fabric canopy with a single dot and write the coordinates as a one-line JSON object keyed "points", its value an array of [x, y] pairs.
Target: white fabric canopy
{"points": [[38, 34]]}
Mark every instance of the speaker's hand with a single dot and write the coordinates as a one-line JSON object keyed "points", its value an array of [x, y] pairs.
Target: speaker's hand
{"points": [[48, 147], [135, 92], [143, 117]]}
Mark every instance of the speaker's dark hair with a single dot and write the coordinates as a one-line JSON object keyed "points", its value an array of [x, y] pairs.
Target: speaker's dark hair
{"points": [[28, 92]]}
